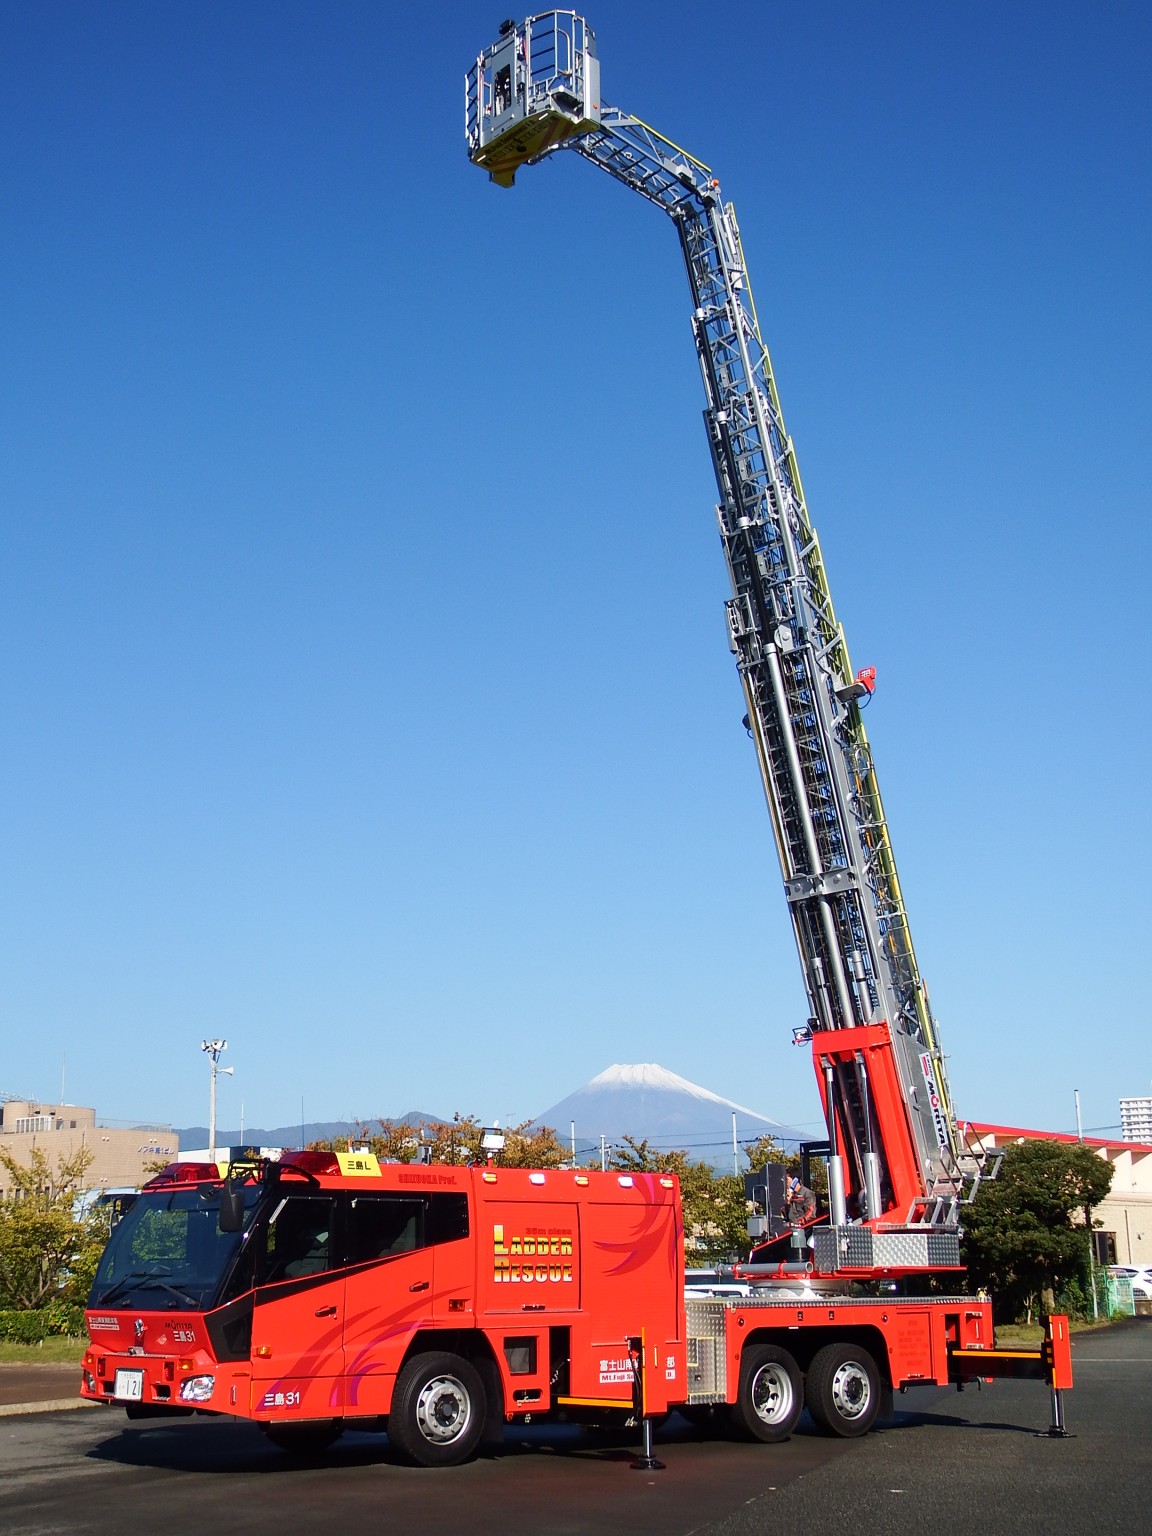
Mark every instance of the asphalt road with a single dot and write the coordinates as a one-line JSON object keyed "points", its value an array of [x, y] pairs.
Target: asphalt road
{"points": [[36, 1384], [947, 1464]]}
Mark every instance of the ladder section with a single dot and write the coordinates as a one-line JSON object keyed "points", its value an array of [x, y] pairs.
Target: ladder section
{"points": [[874, 1040]]}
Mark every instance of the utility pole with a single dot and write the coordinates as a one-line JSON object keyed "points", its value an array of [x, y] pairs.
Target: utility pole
{"points": [[1087, 1220], [214, 1048]]}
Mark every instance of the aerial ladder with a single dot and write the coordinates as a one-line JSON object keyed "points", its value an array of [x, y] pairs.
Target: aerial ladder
{"points": [[898, 1168]]}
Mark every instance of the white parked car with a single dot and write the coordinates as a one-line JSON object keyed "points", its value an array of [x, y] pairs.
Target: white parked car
{"points": [[1140, 1276]]}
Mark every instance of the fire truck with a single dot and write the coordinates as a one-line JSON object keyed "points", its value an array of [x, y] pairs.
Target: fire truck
{"points": [[325, 1291], [321, 1291]]}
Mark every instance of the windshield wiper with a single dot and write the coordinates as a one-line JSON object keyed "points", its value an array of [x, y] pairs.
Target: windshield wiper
{"points": [[125, 1283], [156, 1281]]}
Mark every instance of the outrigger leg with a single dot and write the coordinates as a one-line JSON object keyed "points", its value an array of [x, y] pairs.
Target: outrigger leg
{"points": [[646, 1461]]}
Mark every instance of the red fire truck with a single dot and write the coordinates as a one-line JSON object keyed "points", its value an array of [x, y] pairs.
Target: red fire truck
{"points": [[326, 1291]]}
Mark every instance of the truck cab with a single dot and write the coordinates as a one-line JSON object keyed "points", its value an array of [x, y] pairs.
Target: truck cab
{"points": [[441, 1301]]}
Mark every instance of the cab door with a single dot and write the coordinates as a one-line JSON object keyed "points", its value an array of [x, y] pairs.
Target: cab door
{"points": [[390, 1292], [298, 1319]]}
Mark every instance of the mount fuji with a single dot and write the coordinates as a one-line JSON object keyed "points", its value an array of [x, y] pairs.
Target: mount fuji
{"points": [[643, 1100], [647, 1101]]}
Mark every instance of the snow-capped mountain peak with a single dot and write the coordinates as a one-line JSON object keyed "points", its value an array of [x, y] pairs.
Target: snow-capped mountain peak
{"points": [[649, 1076], [643, 1100]]}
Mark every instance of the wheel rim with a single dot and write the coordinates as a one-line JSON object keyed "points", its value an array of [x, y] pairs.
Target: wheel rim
{"points": [[851, 1390], [772, 1395], [443, 1410]]}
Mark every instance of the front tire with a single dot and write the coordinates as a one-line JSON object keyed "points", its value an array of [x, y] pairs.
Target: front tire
{"points": [[438, 1411], [843, 1392], [769, 1399]]}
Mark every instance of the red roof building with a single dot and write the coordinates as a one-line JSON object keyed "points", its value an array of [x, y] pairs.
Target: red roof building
{"points": [[1122, 1224]]}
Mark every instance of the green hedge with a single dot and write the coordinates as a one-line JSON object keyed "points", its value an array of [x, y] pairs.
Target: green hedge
{"points": [[31, 1327]]}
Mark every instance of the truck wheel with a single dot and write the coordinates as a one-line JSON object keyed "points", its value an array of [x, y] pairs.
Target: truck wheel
{"points": [[843, 1392], [310, 1439], [437, 1414], [769, 1399]]}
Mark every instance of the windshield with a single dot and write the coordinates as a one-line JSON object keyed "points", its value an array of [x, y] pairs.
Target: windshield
{"points": [[168, 1253]]}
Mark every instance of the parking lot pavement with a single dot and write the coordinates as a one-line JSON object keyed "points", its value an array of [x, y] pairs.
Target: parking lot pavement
{"points": [[38, 1388], [972, 1461], [947, 1464]]}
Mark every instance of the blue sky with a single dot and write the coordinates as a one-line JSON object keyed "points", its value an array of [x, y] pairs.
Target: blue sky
{"points": [[364, 687]]}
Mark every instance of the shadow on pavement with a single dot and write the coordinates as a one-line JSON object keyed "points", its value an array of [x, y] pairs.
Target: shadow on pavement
{"points": [[911, 1419], [231, 1447]]}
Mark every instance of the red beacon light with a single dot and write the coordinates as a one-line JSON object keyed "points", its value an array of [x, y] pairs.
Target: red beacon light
{"points": [[863, 687], [319, 1163], [185, 1173]]}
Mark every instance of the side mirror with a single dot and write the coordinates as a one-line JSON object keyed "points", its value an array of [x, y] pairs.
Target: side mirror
{"points": [[231, 1208]]}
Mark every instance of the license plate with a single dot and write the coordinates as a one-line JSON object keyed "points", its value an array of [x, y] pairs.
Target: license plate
{"points": [[129, 1386]]}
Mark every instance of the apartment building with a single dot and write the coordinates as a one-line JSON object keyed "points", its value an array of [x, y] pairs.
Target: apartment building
{"points": [[121, 1153], [1136, 1119]]}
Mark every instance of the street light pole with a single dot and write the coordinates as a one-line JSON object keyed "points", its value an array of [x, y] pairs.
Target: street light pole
{"points": [[214, 1047], [1088, 1221]]}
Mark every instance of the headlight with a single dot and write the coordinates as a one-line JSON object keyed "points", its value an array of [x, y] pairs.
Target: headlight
{"points": [[197, 1389]]}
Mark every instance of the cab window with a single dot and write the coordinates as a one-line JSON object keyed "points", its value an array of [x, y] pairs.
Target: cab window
{"points": [[299, 1241], [385, 1224]]}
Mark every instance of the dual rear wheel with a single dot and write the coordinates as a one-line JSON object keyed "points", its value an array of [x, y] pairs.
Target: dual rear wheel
{"points": [[842, 1392]]}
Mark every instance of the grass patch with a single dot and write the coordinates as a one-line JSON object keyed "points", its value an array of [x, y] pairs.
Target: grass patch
{"points": [[54, 1351], [1032, 1333]]}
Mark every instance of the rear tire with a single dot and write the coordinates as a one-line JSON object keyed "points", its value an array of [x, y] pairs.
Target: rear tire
{"points": [[844, 1390], [438, 1411], [769, 1399]]}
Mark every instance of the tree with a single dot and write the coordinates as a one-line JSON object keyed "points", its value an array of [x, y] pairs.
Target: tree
{"points": [[632, 1156], [1023, 1239], [532, 1146], [395, 1141], [766, 1149], [459, 1140], [46, 1253], [715, 1215]]}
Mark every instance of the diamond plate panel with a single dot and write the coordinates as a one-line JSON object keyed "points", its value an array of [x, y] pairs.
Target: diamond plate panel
{"points": [[706, 1364], [904, 1250], [944, 1249], [843, 1248], [858, 1247]]}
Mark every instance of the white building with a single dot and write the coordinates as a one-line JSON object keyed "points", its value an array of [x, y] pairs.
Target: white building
{"points": [[1136, 1119], [1122, 1222]]}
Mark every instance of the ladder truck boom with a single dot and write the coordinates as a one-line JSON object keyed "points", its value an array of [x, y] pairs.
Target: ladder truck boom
{"points": [[898, 1169], [317, 1291]]}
